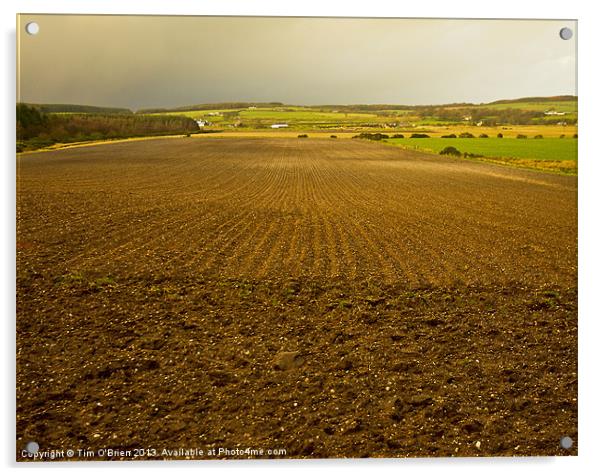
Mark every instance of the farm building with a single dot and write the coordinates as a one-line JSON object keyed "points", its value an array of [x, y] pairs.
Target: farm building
{"points": [[278, 126]]}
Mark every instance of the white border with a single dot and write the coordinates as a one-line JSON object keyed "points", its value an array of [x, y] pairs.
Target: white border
{"points": [[590, 237]]}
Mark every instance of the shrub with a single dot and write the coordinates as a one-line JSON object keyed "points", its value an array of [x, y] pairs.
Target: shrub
{"points": [[398, 136], [419, 136], [574, 136], [333, 136], [470, 155], [500, 135], [30, 122], [449, 150], [40, 142], [562, 136], [302, 136], [521, 136], [483, 136], [466, 135], [449, 136], [538, 136], [369, 136]]}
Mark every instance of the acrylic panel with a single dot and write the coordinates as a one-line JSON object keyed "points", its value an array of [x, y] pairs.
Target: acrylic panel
{"points": [[282, 237]]}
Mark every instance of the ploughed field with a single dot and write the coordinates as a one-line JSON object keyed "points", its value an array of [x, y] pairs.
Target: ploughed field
{"points": [[327, 297]]}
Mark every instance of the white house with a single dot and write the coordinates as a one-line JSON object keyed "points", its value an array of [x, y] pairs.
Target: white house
{"points": [[202, 123], [278, 126]]}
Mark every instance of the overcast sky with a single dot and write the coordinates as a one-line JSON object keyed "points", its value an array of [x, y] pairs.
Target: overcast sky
{"points": [[152, 61]]}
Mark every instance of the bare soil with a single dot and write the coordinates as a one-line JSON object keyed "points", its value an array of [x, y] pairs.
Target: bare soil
{"points": [[333, 298]]}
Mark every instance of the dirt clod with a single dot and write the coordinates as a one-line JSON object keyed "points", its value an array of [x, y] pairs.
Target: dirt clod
{"points": [[288, 360]]}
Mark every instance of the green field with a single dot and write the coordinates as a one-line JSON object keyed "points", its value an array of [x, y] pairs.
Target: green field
{"points": [[559, 106], [291, 115], [304, 115], [526, 111], [538, 149]]}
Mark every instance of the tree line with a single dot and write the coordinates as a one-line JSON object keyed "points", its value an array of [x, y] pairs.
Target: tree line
{"points": [[489, 116], [36, 129], [49, 108]]}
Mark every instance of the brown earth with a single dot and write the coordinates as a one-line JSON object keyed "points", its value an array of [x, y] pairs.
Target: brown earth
{"points": [[428, 305]]}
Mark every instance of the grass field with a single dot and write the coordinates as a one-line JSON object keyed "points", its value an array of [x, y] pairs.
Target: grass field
{"points": [[559, 106], [539, 149], [553, 155], [305, 115], [293, 115], [335, 298]]}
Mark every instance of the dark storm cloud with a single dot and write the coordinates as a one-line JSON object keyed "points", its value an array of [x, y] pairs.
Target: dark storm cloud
{"points": [[148, 61]]}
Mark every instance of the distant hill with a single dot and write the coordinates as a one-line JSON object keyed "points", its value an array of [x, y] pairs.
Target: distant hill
{"points": [[84, 109], [210, 106], [352, 107], [78, 108], [535, 99]]}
